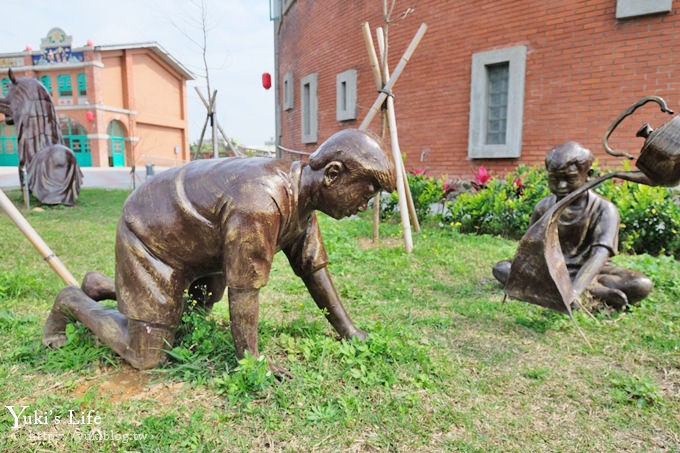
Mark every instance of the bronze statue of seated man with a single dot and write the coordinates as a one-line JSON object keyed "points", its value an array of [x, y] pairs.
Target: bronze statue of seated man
{"points": [[588, 233], [217, 224]]}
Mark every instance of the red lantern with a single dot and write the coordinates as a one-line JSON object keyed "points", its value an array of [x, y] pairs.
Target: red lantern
{"points": [[89, 115], [266, 80]]}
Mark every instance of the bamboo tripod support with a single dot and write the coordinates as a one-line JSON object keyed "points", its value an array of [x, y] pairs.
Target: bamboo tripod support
{"points": [[211, 117], [384, 83], [392, 122], [35, 239]]}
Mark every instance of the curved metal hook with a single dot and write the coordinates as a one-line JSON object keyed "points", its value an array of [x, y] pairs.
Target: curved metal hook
{"points": [[627, 112]]}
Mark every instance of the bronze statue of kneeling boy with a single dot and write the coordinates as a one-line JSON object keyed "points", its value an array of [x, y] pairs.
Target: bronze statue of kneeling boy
{"points": [[588, 232], [216, 224]]}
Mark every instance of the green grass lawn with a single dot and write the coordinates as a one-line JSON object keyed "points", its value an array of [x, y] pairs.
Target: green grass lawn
{"points": [[447, 366]]}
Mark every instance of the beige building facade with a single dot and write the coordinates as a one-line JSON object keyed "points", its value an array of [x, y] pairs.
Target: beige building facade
{"points": [[118, 105]]}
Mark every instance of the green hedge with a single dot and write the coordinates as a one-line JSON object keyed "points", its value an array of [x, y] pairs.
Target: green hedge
{"points": [[501, 207], [425, 191], [650, 216]]}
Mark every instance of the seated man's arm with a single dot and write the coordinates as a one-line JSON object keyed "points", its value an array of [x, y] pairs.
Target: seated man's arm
{"points": [[590, 269]]}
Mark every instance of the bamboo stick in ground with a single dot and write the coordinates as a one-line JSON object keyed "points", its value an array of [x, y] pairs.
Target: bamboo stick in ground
{"points": [[382, 46], [35, 239], [396, 155], [373, 60]]}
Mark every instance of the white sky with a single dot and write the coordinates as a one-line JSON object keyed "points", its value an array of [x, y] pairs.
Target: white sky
{"points": [[240, 47]]}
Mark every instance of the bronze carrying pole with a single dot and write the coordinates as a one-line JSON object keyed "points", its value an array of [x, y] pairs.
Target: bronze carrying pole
{"points": [[36, 240]]}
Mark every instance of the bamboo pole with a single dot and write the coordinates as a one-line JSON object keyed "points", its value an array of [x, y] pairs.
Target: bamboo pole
{"points": [[36, 240], [373, 60], [396, 155], [395, 76], [382, 46], [384, 84]]}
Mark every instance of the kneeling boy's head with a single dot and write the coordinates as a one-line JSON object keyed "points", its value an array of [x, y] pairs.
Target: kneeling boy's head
{"points": [[355, 167], [361, 155]]}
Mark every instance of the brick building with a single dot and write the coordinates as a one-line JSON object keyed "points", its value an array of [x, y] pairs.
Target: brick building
{"points": [[118, 105], [493, 82]]}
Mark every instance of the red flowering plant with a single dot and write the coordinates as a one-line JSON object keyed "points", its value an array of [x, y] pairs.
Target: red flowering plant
{"points": [[518, 186], [500, 205], [481, 178]]}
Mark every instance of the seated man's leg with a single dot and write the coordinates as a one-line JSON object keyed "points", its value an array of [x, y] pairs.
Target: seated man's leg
{"points": [[139, 343], [635, 285]]}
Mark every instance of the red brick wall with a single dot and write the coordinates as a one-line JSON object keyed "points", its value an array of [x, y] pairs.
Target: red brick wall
{"points": [[583, 68]]}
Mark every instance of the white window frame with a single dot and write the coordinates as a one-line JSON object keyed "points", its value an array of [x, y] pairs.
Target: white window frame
{"points": [[635, 8], [477, 148], [288, 91], [309, 108], [346, 95]]}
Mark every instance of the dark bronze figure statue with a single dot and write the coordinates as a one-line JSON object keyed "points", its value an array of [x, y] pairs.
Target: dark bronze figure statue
{"points": [[566, 251], [541, 273], [217, 224], [54, 176]]}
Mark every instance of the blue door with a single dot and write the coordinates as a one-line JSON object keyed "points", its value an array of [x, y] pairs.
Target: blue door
{"points": [[9, 156], [75, 137], [116, 144]]}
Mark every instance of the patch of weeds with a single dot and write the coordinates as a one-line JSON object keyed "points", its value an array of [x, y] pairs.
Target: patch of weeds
{"points": [[9, 322], [540, 320], [203, 347], [378, 361], [639, 391], [21, 283], [251, 378], [82, 350], [538, 374], [326, 412]]}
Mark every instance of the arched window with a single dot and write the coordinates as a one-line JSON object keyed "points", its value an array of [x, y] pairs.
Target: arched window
{"points": [[47, 83], [75, 137], [116, 134], [64, 87]]}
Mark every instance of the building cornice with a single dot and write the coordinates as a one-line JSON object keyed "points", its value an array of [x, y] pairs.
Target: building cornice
{"points": [[57, 66], [157, 49], [103, 108]]}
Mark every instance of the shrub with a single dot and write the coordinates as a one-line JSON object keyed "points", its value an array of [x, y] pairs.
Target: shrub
{"points": [[425, 191], [503, 207], [650, 216]]}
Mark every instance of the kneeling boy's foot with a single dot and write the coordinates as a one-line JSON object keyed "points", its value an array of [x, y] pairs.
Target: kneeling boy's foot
{"points": [[98, 286], [54, 335]]}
